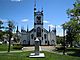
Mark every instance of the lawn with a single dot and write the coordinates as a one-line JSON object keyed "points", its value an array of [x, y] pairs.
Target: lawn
{"points": [[73, 51], [24, 56], [4, 47]]}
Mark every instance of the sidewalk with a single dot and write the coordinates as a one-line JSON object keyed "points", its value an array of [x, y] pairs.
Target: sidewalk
{"points": [[10, 51]]}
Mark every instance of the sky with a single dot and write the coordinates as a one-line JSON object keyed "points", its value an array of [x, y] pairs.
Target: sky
{"points": [[22, 12]]}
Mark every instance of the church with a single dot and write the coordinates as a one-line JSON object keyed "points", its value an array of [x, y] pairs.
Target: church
{"points": [[46, 37]]}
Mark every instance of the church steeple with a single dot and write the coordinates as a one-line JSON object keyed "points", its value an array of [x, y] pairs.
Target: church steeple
{"points": [[34, 5]]}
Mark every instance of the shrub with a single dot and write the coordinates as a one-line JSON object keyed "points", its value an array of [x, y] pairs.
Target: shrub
{"points": [[60, 48], [17, 46]]}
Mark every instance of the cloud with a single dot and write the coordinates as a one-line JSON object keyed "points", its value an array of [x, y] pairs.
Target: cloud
{"points": [[24, 20], [3, 20], [59, 32], [51, 26], [58, 26], [45, 21], [16, 0]]}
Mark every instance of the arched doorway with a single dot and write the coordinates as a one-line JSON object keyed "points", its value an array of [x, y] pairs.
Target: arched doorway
{"points": [[53, 42], [24, 41]]}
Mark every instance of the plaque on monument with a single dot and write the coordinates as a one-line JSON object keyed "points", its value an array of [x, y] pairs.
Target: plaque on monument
{"points": [[37, 52]]}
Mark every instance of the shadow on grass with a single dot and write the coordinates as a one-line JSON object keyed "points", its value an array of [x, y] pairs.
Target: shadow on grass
{"points": [[77, 54], [75, 50], [71, 51]]}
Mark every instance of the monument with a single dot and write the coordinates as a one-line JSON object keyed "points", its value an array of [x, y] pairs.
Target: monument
{"points": [[37, 52]]}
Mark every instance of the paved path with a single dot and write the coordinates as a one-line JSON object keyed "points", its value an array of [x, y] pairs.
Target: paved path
{"points": [[42, 48], [10, 51]]}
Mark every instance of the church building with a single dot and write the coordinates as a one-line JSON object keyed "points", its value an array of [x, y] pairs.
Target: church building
{"points": [[45, 37]]}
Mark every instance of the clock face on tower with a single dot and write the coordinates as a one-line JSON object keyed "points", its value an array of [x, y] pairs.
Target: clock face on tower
{"points": [[38, 19]]}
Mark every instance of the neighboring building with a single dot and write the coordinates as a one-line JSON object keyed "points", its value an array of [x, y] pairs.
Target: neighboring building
{"points": [[45, 37]]}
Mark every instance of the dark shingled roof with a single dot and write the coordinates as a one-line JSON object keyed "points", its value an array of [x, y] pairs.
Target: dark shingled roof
{"points": [[45, 30], [31, 30]]}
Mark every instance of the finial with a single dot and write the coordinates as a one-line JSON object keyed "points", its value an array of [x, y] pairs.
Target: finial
{"points": [[22, 28], [55, 29], [49, 29], [17, 29], [42, 9], [27, 28]]}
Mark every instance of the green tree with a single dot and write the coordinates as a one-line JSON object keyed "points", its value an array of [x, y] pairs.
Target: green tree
{"points": [[73, 26], [1, 32], [59, 40], [11, 26]]}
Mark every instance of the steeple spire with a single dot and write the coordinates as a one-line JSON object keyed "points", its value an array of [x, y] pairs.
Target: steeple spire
{"points": [[17, 29], [27, 28], [55, 29], [42, 9], [34, 5], [49, 29]]}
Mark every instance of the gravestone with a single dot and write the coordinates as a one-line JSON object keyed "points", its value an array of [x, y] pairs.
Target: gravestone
{"points": [[37, 52]]}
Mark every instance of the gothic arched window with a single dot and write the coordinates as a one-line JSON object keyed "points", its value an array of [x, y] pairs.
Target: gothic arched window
{"points": [[24, 41], [32, 36], [44, 36], [38, 32]]}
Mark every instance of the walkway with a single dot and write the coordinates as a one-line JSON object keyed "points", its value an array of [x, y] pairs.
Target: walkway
{"points": [[42, 48]]}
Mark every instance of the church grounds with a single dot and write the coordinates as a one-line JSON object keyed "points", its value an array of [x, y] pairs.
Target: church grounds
{"points": [[4, 47], [72, 53], [24, 56]]}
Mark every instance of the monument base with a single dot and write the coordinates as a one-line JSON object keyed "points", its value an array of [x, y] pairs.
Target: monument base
{"points": [[32, 55]]}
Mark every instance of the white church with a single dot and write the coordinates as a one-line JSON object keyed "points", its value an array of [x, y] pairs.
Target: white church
{"points": [[46, 37]]}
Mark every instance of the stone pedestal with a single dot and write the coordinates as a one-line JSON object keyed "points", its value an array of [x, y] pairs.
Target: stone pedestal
{"points": [[37, 46], [37, 52]]}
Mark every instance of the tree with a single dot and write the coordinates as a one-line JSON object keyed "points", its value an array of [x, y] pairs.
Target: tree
{"points": [[72, 26], [10, 27], [1, 32], [1, 24], [59, 40]]}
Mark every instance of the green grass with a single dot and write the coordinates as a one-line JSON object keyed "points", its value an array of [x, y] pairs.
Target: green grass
{"points": [[24, 56], [4, 47], [72, 51]]}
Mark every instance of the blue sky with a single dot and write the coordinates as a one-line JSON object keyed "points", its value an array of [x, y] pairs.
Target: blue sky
{"points": [[21, 12]]}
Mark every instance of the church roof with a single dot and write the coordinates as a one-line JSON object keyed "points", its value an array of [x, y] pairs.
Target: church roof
{"points": [[31, 30], [45, 30], [23, 30]]}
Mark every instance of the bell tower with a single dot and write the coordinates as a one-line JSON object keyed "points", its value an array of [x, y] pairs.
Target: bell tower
{"points": [[38, 23]]}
